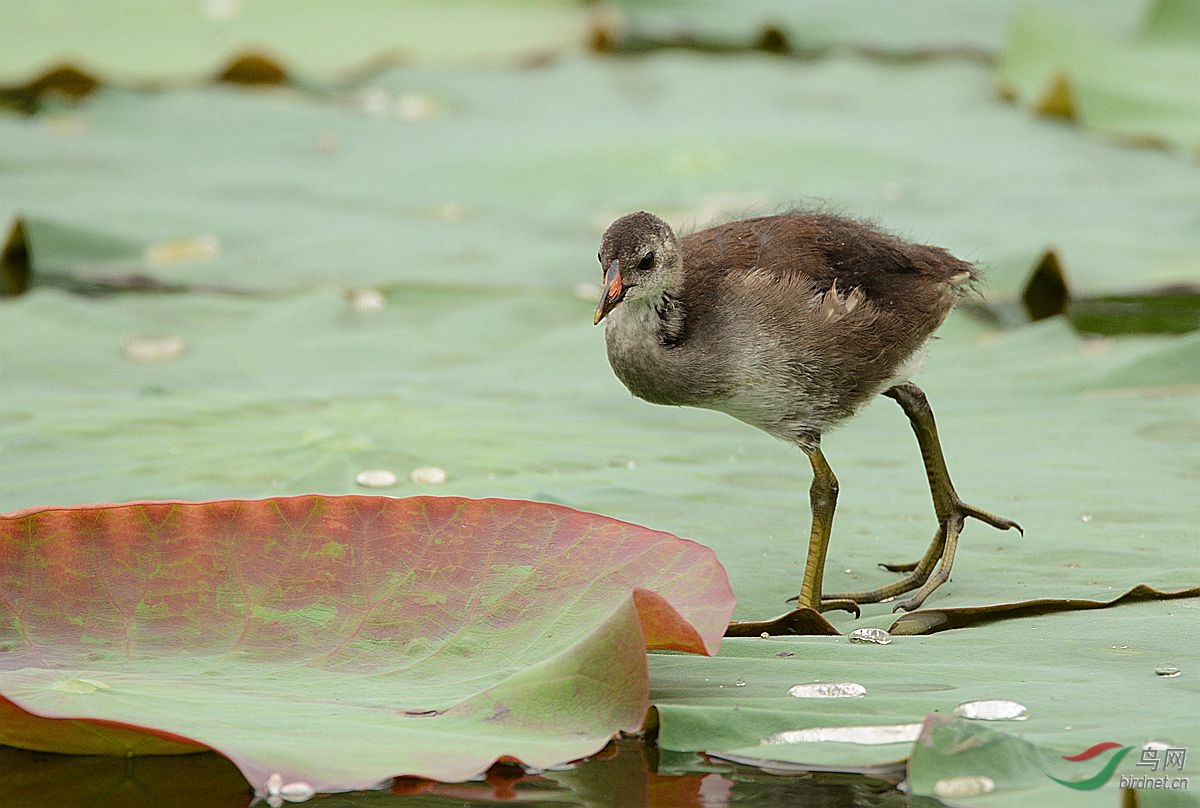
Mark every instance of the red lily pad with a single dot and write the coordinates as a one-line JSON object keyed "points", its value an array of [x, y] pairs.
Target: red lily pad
{"points": [[340, 641]]}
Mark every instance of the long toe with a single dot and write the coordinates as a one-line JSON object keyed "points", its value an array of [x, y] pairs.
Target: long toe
{"points": [[835, 604], [937, 579], [916, 575], [926, 575], [987, 517]]}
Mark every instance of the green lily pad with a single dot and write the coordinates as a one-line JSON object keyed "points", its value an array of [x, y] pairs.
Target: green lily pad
{"points": [[299, 204], [1137, 91], [341, 641], [183, 41], [1082, 680]]}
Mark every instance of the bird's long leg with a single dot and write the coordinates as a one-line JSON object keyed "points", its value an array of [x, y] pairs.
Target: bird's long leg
{"points": [[822, 496], [806, 617], [950, 509]]}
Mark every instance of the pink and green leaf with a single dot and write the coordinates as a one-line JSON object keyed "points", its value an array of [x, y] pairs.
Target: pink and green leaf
{"points": [[340, 641]]}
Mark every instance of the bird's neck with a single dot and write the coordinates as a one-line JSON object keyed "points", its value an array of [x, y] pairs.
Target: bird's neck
{"points": [[657, 316], [647, 351], [669, 312]]}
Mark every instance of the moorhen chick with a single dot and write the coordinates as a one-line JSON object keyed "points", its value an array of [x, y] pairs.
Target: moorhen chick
{"points": [[790, 323]]}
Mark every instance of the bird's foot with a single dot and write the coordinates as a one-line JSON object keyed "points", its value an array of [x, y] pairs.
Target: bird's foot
{"points": [[933, 569], [987, 517], [926, 579], [836, 604], [833, 603], [904, 566], [798, 622]]}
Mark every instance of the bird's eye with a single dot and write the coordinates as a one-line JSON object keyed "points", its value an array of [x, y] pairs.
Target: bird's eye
{"points": [[647, 261]]}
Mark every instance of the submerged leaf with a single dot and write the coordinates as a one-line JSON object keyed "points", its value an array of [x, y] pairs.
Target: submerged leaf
{"points": [[1173, 309], [931, 621], [15, 269], [253, 69], [1058, 99], [34, 780], [338, 641], [1046, 293], [66, 80], [798, 622]]}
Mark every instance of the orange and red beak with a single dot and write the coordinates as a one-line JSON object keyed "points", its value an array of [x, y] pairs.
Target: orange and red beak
{"points": [[614, 291]]}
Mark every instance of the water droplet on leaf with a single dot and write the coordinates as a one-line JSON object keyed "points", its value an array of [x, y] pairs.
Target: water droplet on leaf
{"points": [[829, 690], [992, 710], [870, 636], [970, 785], [366, 301], [297, 792], [872, 734]]}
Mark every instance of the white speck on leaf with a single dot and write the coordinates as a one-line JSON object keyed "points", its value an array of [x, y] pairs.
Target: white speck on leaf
{"points": [[153, 348], [428, 475], [376, 478]]}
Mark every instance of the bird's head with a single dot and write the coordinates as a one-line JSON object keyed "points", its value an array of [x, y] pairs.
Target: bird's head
{"points": [[639, 257]]}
